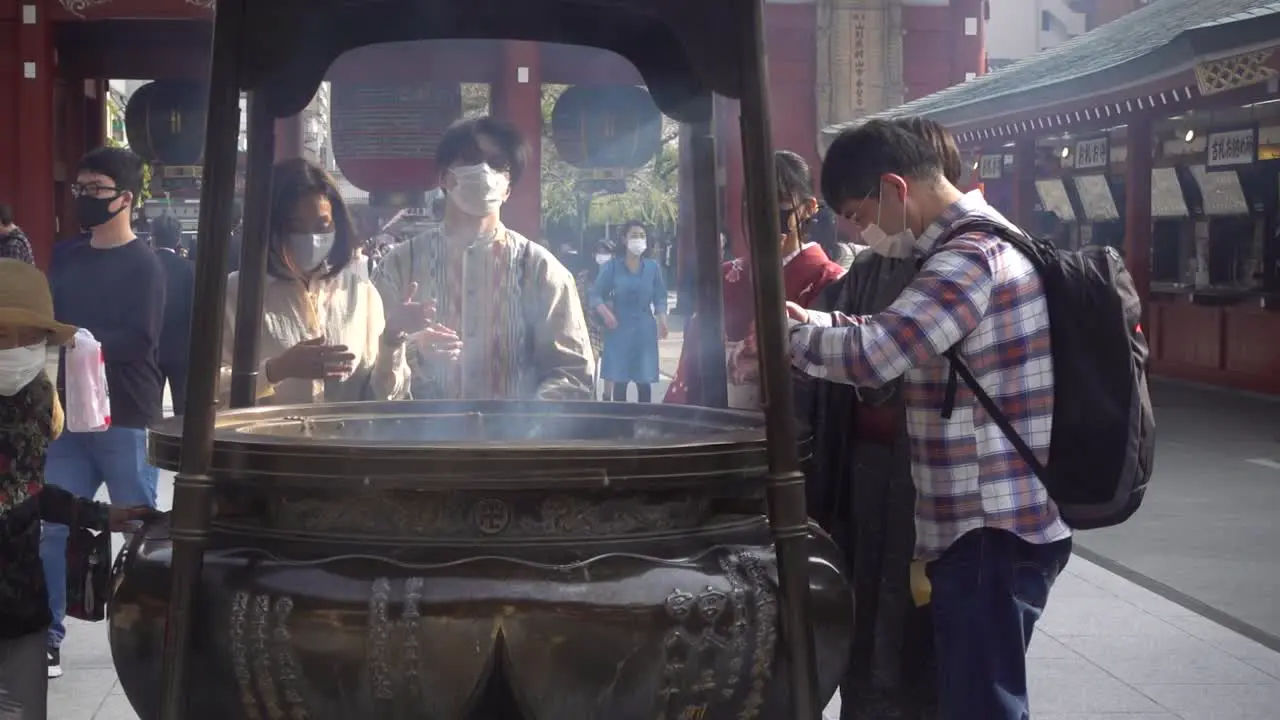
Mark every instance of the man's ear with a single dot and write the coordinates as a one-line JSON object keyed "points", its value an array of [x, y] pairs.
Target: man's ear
{"points": [[898, 185]]}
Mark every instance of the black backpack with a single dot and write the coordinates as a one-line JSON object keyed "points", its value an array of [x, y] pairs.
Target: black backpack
{"points": [[1103, 439]]}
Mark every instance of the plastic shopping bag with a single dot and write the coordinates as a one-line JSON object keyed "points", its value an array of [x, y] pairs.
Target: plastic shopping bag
{"points": [[88, 407]]}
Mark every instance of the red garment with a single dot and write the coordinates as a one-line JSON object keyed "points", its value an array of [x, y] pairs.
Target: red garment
{"points": [[803, 277]]}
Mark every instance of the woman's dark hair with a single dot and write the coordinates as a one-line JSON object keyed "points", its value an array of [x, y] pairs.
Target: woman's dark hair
{"points": [[622, 235], [795, 182], [795, 185], [166, 232], [291, 181], [461, 143]]}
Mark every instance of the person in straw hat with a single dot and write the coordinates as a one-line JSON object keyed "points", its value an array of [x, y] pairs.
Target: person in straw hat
{"points": [[30, 417]]}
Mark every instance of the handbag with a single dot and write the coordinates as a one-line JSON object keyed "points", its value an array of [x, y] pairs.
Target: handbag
{"points": [[88, 574]]}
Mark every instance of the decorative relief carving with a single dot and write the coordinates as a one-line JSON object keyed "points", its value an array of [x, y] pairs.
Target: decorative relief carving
{"points": [[380, 640], [452, 515], [210, 5], [717, 651], [766, 614], [79, 7], [1237, 71], [240, 654], [709, 645]]}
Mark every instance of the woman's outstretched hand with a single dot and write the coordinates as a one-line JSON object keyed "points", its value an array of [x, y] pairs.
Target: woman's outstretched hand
{"points": [[797, 313]]}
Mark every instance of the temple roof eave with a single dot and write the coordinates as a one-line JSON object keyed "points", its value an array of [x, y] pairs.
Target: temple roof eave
{"points": [[1014, 91]]}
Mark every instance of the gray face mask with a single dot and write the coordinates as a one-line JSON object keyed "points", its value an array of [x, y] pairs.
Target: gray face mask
{"points": [[309, 250]]}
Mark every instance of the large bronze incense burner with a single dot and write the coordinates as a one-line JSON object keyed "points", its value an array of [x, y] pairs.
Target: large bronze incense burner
{"points": [[480, 560], [499, 560]]}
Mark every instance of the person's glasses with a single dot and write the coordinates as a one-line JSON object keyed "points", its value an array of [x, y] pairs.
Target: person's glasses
{"points": [[94, 190]]}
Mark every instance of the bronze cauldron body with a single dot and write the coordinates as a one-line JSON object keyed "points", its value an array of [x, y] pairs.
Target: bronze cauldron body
{"points": [[504, 561]]}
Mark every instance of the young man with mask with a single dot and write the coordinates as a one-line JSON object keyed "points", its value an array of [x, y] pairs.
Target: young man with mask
{"points": [[113, 286], [993, 540], [508, 322]]}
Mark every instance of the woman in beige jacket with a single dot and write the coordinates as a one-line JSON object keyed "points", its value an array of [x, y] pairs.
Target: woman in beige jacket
{"points": [[325, 335]]}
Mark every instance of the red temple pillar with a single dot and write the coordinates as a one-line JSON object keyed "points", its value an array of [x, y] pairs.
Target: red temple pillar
{"points": [[1024, 182], [728, 134], [31, 118], [969, 18], [516, 96], [1137, 213]]}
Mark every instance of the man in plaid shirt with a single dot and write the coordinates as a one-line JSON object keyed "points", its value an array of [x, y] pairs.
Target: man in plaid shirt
{"points": [[984, 523]]}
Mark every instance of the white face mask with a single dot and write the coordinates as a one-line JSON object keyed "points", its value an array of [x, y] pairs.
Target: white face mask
{"points": [[19, 366], [637, 245], [309, 250], [602, 258], [898, 246], [480, 190]]}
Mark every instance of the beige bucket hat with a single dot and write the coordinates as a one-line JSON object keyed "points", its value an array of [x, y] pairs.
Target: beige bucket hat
{"points": [[25, 301]]}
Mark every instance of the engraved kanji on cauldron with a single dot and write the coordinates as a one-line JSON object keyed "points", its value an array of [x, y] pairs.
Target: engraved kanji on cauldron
{"points": [[491, 516], [262, 659]]}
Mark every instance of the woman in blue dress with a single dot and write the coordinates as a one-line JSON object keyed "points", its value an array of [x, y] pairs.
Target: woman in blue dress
{"points": [[631, 297]]}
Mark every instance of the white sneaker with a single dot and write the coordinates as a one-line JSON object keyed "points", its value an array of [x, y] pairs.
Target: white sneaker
{"points": [[55, 663]]}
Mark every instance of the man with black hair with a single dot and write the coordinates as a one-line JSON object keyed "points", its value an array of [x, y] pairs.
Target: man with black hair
{"points": [[114, 287], [180, 280], [509, 322], [993, 540], [13, 242]]}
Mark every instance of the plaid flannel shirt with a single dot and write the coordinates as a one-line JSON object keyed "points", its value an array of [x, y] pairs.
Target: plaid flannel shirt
{"points": [[984, 296]]}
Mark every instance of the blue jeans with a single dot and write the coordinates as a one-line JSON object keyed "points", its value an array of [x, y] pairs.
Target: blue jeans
{"points": [[80, 463], [989, 589]]}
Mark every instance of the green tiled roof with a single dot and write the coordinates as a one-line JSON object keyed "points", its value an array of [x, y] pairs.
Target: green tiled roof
{"points": [[1162, 38]]}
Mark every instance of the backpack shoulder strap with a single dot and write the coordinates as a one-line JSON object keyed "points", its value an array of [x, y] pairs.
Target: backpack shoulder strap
{"points": [[1001, 420]]}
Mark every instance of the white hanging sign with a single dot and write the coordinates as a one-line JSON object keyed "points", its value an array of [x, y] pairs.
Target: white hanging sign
{"points": [[991, 167], [1093, 154], [1232, 147]]}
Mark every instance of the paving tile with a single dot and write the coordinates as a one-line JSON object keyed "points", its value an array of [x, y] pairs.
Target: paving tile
{"points": [[1231, 642], [1075, 685], [1116, 586], [78, 694], [1096, 617], [1171, 657], [116, 707], [1219, 702], [1045, 647], [85, 647], [1108, 716]]}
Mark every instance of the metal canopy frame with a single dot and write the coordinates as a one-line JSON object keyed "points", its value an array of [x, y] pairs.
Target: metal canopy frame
{"points": [[279, 51]]}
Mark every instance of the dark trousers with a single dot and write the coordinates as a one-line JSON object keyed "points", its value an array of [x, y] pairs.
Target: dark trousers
{"points": [[989, 589], [175, 373]]}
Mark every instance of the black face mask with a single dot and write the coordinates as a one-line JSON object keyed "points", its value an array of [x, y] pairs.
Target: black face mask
{"points": [[92, 212]]}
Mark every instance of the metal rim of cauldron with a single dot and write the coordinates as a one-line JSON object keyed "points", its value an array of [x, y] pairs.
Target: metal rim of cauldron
{"points": [[730, 449]]}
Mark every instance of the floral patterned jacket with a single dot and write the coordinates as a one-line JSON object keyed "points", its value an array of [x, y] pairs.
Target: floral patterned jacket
{"points": [[26, 428]]}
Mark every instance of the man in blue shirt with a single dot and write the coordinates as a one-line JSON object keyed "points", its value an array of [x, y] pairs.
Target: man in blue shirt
{"points": [[112, 285]]}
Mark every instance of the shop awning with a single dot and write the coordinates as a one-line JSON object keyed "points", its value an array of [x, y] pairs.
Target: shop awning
{"points": [[1166, 38]]}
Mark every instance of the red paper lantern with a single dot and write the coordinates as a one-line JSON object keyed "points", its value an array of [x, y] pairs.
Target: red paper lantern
{"points": [[385, 133]]}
